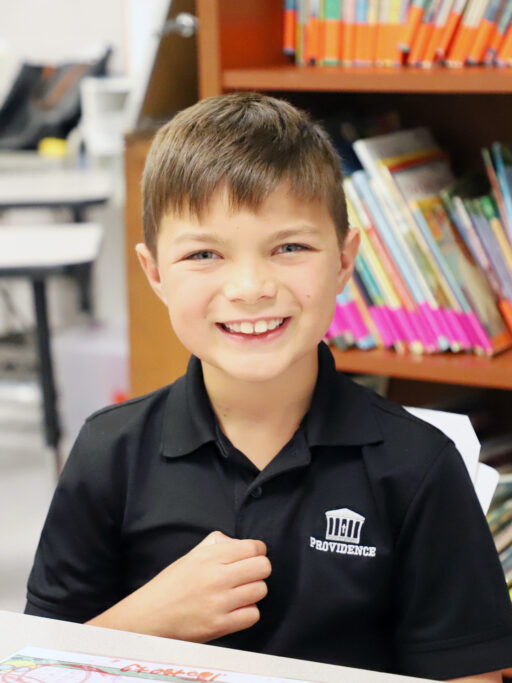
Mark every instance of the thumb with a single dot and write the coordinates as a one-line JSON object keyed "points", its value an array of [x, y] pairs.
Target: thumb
{"points": [[215, 537]]}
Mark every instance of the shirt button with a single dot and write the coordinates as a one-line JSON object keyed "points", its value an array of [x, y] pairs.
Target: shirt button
{"points": [[256, 492]]}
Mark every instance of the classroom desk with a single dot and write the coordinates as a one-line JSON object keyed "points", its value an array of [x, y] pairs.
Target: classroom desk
{"points": [[37, 253], [74, 189], [18, 631]]}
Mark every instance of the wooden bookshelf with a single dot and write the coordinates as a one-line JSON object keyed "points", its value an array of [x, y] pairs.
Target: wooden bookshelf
{"points": [[463, 369], [476, 80], [240, 48]]}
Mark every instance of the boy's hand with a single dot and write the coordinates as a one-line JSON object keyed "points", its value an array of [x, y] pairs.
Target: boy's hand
{"points": [[209, 592]]}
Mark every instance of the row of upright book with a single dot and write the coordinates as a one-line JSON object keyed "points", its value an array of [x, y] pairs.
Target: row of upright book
{"points": [[434, 269], [423, 33], [499, 519]]}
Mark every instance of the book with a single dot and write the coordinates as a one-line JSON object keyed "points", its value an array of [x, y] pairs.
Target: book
{"points": [[289, 28], [466, 31], [451, 27], [432, 336], [484, 32], [504, 53], [502, 22], [331, 32], [347, 43], [496, 190], [415, 14], [430, 55], [387, 159], [425, 30], [502, 157], [403, 304]]}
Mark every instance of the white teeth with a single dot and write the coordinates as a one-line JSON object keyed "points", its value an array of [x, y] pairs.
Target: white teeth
{"points": [[260, 327]]}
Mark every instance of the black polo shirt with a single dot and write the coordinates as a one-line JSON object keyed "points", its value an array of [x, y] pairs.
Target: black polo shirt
{"points": [[381, 556]]}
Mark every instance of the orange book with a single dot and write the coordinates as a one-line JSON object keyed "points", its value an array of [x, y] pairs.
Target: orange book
{"points": [[348, 32], [423, 35], [389, 33], [498, 33], [289, 28], [466, 34], [504, 56], [451, 28], [485, 32], [331, 34], [430, 53], [312, 39], [414, 18]]}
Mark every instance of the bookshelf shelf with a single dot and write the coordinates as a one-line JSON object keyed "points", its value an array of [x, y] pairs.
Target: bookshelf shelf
{"points": [[467, 370], [477, 80]]}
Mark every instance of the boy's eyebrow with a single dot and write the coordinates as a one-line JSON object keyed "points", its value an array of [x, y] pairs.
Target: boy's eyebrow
{"points": [[281, 234]]}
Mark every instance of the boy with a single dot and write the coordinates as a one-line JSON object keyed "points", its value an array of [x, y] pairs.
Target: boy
{"points": [[264, 501]]}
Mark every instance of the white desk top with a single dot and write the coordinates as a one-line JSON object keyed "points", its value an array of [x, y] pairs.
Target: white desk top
{"points": [[54, 187], [49, 246], [18, 631]]}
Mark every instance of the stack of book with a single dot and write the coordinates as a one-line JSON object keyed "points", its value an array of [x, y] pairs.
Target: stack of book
{"points": [[434, 270], [499, 519], [397, 32]]}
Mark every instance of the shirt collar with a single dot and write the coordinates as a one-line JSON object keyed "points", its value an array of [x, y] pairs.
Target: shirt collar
{"points": [[341, 412]]}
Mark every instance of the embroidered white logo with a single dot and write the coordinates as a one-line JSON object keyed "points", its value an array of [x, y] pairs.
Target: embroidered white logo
{"points": [[343, 534]]}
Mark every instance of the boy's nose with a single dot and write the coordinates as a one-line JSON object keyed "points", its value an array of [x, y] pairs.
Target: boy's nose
{"points": [[249, 285]]}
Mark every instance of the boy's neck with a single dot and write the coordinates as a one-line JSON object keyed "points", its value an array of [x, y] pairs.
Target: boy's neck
{"points": [[278, 404]]}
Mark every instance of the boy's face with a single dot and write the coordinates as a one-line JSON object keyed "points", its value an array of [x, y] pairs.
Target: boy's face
{"points": [[237, 267]]}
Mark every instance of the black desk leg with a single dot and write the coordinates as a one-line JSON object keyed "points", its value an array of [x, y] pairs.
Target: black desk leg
{"points": [[51, 417], [83, 273]]}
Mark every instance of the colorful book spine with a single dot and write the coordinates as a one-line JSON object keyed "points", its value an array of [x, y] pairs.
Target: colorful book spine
{"points": [[451, 27], [495, 186], [498, 35], [417, 9], [362, 336], [312, 39], [331, 33], [403, 305], [466, 32], [361, 33], [432, 337], [360, 297], [504, 180], [348, 32], [425, 30], [504, 56], [431, 51], [289, 27], [484, 32]]}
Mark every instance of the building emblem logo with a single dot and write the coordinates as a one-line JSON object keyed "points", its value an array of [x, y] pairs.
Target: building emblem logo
{"points": [[343, 534], [343, 525]]}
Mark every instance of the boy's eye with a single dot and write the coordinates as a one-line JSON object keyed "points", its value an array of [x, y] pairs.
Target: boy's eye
{"points": [[301, 247], [199, 256]]}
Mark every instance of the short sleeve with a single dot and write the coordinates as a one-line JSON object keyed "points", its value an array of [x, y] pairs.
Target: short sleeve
{"points": [[76, 572], [453, 615]]}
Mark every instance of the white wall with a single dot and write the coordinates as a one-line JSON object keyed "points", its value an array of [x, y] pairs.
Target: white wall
{"points": [[57, 30]]}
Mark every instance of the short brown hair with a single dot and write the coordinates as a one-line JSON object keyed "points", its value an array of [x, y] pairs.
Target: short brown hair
{"points": [[248, 141]]}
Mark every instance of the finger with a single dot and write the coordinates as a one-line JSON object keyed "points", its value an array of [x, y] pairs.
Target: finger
{"points": [[241, 619], [248, 594], [248, 570], [240, 550], [214, 537]]}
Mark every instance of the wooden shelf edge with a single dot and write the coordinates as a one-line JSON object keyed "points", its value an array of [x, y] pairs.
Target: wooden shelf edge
{"points": [[470, 80], [467, 370]]}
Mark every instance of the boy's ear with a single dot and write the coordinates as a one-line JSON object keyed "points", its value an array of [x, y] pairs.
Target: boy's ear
{"points": [[348, 257], [150, 268]]}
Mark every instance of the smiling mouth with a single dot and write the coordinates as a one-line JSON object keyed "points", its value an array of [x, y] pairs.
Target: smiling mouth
{"points": [[250, 331]]}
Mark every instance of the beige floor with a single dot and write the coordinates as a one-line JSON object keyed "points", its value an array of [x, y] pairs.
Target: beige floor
{"points": [[27, 480]]}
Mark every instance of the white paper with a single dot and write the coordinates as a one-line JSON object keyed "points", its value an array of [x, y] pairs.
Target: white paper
{"points": [[460, 430], [40, 665]]}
